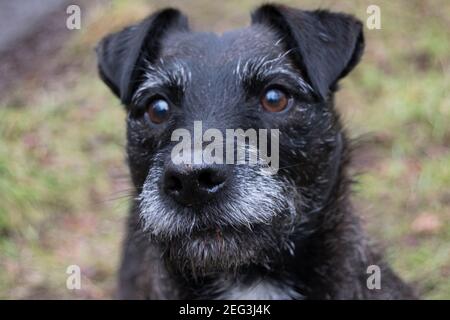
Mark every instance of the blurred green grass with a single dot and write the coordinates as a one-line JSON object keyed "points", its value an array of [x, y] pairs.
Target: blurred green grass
{"points": [[63, 182]]}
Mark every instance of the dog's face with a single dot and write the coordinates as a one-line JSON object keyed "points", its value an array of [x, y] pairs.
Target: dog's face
{"points": [[279, 73]]}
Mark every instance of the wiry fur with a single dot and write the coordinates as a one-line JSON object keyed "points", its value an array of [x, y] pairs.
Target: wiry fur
{"points": [[262, 68], [292, 235]]}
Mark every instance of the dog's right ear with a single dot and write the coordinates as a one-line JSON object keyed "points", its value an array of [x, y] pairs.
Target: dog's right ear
{"points": [[122, 55]]}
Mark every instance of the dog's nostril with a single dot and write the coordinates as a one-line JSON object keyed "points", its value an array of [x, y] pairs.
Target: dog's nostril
{"points": [[173, 183], [210, 180], [194, 184]]}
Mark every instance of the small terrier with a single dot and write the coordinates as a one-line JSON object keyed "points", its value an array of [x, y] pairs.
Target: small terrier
{"points": [[229, 231]]}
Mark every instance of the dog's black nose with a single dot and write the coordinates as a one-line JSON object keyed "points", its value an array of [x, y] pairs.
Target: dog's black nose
{"points": [[193, 184]]}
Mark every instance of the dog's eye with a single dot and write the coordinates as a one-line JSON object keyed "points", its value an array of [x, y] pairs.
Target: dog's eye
{"points": [[158, 111], [274, 100]]}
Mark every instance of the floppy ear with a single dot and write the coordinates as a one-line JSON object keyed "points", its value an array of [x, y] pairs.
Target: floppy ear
{"points": [[122, 55], [326, 46]]}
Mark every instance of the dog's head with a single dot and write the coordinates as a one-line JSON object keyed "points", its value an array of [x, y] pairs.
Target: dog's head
{"points": [[279, 73]]}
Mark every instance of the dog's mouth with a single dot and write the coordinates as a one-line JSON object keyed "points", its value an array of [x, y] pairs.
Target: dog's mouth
{"points": [[210, 234], [207, 245], [219, 233], [237, 210], [216, 222], [218, 249]]}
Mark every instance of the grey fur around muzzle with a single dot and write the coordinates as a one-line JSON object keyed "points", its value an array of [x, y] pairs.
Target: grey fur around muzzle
{"points": [[254, 199]]}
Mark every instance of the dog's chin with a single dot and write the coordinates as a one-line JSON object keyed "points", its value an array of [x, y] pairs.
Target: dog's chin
{"points": [[227, 249]]}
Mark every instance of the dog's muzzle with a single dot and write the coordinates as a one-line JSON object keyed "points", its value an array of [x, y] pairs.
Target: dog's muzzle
{"points": [[179, 201], [217, 217]]}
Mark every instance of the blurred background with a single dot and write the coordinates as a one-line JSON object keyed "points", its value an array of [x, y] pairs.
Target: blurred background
{"points": [[64, 189]]}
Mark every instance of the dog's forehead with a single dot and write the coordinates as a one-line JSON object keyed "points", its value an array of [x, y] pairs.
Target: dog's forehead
{"points": [[214, 49]]}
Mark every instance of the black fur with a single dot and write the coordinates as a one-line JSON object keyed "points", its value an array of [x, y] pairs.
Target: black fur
{"points": [[330, 253]]}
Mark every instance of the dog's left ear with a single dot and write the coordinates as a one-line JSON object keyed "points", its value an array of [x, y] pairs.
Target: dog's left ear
{"points": [[122, 55], [326, 46]]}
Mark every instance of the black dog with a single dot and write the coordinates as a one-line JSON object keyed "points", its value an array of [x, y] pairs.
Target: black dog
{"points": [[231, 231]]}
